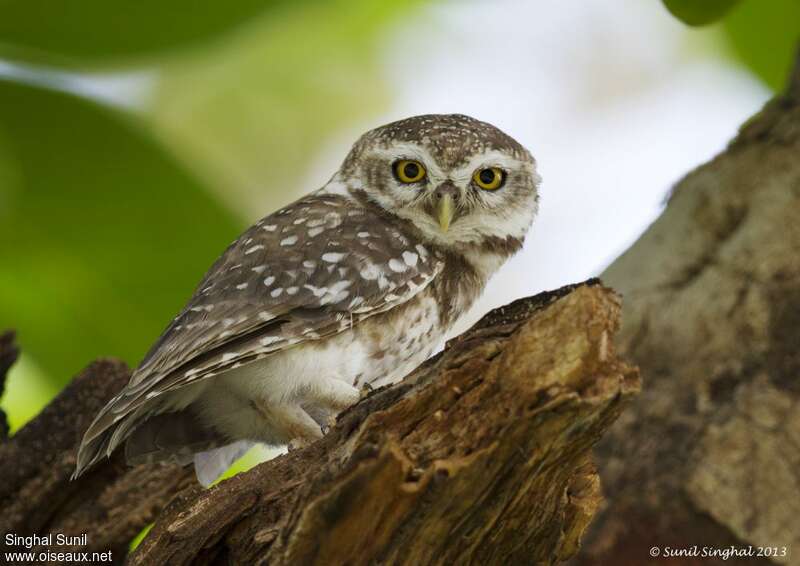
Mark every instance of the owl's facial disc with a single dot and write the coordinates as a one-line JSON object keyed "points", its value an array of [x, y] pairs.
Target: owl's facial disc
{"points": [[488, 194], [456, 179]]}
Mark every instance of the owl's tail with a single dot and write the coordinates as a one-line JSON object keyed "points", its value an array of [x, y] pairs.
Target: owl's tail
{"points": [[172, 437]]}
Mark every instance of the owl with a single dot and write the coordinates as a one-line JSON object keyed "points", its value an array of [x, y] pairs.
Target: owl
{"points": [[348, 288]]}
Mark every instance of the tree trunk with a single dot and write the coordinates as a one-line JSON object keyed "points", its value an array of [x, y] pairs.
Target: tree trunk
{"points": [[709, 455], [479, 456]]}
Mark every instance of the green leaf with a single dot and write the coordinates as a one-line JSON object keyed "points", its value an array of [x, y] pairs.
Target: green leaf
{"points": [[270, 100], [700, 12], [102, 31], [764, 35], [102, 234]]}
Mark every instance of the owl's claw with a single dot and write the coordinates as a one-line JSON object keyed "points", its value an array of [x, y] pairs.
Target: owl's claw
{"points": [[329, 424], [366, 389]]}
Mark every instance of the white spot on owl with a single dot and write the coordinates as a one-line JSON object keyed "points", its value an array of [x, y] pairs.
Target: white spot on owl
{"points": [[370, 272], [259, 269], [363, 234], [316, 291], [397, 265], [206, 308], [267, 340], [241, 286], [410, 258], [276, 292], [289, 241], [333, 257], [270, 227], [292, 290], [315, 232], [269, 280], [254, 249], [229, 356], [309, 264]]}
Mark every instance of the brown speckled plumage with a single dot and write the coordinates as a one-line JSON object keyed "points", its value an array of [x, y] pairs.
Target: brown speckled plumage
{"points": [[353, 284]]}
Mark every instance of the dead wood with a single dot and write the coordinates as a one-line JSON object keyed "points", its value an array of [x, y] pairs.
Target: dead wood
{"points": [[480, 456]]}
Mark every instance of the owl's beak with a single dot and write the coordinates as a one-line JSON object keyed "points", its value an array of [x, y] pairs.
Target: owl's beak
{"points": [[444, 212], [444, 209]]}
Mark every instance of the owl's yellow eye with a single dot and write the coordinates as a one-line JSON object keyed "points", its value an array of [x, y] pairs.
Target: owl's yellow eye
{"points": [[490, 179], [409, 171]]}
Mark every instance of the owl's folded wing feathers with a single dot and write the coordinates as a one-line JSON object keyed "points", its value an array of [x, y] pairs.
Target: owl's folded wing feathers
{"points": [[307, 272]]}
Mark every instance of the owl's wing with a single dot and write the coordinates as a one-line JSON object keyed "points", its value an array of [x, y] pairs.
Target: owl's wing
{"points": [[307, 272]]}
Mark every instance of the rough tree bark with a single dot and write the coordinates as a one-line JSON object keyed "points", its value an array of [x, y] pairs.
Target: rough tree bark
{"points": [[111, 504], [480, 456], [710, 452]]}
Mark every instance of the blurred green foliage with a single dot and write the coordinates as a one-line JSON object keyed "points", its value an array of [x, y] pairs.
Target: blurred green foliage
{"points": [[102, 31], [763, 34], [103, 233], [699, 12], [268, 95]]}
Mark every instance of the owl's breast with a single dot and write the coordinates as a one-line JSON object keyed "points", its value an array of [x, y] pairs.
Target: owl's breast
{"points": [[397, 341]]}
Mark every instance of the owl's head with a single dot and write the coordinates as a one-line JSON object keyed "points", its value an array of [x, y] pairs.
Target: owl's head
{"points": [[461, 182]]}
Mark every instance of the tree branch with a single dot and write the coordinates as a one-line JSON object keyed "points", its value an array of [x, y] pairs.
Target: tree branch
{"points": [[111, 503], [8, 355], [709, 455], [481, 455]]}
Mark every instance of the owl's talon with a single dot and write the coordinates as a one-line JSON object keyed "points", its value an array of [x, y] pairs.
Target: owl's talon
{"points": [[366, 389]]}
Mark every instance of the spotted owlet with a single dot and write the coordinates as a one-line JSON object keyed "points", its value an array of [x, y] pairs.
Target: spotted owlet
{"points": [[353, 285]]}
